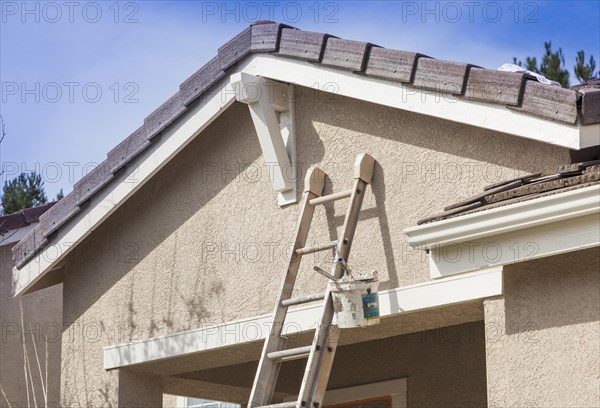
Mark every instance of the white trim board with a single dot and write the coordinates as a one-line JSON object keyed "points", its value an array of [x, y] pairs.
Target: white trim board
{"points": [[533, 229], [194, 121], [392, 302], [404, 97]]}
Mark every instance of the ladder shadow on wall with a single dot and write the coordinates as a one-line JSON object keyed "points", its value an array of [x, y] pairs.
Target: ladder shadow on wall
{"points": [[377, 188]]}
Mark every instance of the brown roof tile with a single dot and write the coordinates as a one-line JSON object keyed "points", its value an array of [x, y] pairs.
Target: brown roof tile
{"points": [[23, 217], [345, 54], [303, 45], [442, 76], [549, 102], [392, 64], [493, 86], [568, 177], [590, 105]]}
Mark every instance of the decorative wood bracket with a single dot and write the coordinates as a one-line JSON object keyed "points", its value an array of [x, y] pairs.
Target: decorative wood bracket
{"points": [[271, 105]]}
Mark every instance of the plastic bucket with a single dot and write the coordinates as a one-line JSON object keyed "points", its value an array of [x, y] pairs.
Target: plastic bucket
{"points": [[355, 302]]}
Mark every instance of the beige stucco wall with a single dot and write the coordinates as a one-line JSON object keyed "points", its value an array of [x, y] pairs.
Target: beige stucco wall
{"points": [[41, 327], [205, 242], [543, 336]]}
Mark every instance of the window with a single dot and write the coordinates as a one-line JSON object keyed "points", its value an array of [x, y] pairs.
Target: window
{"points": [[385, 394], [381, 402], [185, 402]]}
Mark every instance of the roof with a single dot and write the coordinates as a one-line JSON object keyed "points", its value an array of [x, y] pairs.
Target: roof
{"points": [[567, 177], [22, 218], [515, 91]]}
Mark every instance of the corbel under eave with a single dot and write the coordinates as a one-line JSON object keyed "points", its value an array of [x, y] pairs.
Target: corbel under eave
{"points": [[272, 111]]}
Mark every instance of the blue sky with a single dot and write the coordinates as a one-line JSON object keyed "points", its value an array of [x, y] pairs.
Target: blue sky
{"points": [[78, 77]]}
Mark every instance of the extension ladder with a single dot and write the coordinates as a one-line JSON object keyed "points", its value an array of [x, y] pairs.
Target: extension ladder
{"points": [[322, 351]]}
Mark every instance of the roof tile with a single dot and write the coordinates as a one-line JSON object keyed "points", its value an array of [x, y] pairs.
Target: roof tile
{"points": [[12, 221], [549, 102], [235, 49], [301, 44], [439, 75], [201, 80], [530, 186], [23, 217], [392, 64], [265, 36], [56, 216], [345, 54], [92, 182], [590, 106], [493, 86], [164, 115], [128, 149], [25, 249]]}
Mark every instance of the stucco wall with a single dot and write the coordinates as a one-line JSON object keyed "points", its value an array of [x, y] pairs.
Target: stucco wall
{"points": [[41, 327], [543, 337], [205, 242]]}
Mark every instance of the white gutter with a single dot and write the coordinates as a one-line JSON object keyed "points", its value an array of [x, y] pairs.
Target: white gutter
{"points": [[392, 302], [537, 228]]}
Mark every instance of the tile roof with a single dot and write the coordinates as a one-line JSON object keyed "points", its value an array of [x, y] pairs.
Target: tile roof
{"points": [[23, 217], [568, 177], [513, 90]]}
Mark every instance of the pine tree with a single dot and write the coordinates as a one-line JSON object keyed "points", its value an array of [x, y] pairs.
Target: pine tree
{"points": [[551, 66], [24, 191], [584, 72]]}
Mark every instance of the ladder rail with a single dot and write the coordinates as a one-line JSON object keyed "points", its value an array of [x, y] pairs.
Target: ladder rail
{"points": [[266, 375], [320, 362], [325, 340]]}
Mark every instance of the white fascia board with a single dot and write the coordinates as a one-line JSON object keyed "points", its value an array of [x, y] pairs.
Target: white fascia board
{"points": [[512, 217], [404, 97], [533, 229], [15, 235], [590, 136], [437, 293], [144, 167]]}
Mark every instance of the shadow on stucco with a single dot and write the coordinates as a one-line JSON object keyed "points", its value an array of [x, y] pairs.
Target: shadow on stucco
{"points": [[558, 291]]}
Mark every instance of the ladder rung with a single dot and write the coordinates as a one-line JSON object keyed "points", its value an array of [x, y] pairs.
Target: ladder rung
{"points": [[316, 248], [292, 404], [290, 354], [302, 299], [331, 197]]}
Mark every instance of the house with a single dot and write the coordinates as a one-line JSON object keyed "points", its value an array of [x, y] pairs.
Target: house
{"points": [[171, 252], [30, 325]]}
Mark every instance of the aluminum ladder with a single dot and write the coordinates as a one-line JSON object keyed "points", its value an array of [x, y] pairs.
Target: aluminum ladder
{"points": [[322, 351]]}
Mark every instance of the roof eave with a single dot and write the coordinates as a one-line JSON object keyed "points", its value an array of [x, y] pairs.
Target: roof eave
{"points": [[559, 223]]}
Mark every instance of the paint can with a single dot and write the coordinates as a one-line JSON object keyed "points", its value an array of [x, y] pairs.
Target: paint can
{"points": [[355, 301]]}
